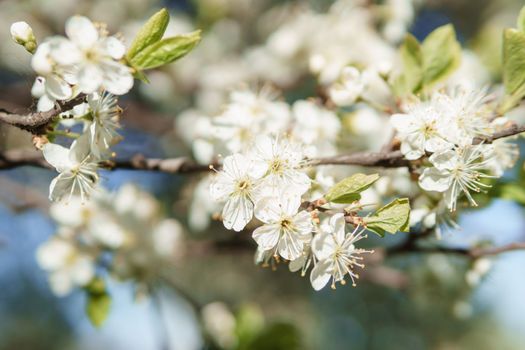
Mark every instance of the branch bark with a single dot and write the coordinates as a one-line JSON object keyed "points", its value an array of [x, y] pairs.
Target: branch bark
{"points": [[37, 122]]}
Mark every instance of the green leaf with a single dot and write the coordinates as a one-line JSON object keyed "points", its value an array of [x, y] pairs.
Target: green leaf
{"points": [[513, 67], [347, 191], [412, 58], [511, 191], [98, 302], [166, 51], [391, 218], [521, 20], [151, 32], [441, 55], [249, 324]]}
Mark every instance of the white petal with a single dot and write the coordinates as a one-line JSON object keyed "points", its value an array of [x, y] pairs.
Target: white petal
{"points": [[323, 245], [235, 165], [58, 88], [320, 275], [61, 283], [114, 47], [446, 160], [81, 31], [45, 104], [338, 224], [237, 212], [267, 236], [290, 204], [297, 264], [290, 246], [221, 187], [90, 78], [80, 149], [434, 180], [83, 271], [57, 156], [117, 78], [60, 186], [268, 209]]}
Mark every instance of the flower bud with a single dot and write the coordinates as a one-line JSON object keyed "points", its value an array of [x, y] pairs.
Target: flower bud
{"points": [[22, 34]]}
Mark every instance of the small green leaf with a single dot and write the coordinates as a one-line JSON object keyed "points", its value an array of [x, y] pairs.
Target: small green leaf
{"points": [[521, 20], [513, 67], [151, 32], [391, 218], [410, 80], [166, 51], [347, 191], [510, 191], [98, 302], [441, 55]]}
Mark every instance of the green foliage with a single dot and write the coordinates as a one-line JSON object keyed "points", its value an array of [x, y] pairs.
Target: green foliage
{"points": [[349, 189], [412, 59], [149, 50], [521, 20], [429, 63], [391, 218], [253, 334], [150, 33], [98, 302], [513, 68], [166, 51]]}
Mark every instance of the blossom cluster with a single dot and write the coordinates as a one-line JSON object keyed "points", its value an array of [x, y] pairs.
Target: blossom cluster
{"points": [[123, 234], [88, 62], [451, 127]]}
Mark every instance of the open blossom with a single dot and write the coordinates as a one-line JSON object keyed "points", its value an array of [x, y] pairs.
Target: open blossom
{"points": [[336, 253], [348, 88], [77, 168], [67, 266], [285, 230], [283, 160], [466, 112], [422, 129], [457, 171], [315, 127], [103, 129], [236, 184], [249, 114], [86, 58]]}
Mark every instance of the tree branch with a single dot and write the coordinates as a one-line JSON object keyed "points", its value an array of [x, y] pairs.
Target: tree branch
{"points": [[37, 122]]}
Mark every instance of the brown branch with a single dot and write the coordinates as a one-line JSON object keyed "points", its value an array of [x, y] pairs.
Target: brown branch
{"points": [[37, 122], [183, 165]]}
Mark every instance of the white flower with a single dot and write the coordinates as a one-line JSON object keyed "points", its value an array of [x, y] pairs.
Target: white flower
{"points": [[250, 114], [282, 159], [348, 88], [467, 113], [91, 59], [457, 171], [317, 127], [285, 230], [168, 238], [103, 129], [421, 129], [504, 156], [77, 168], [236, 184], [336, 253], [68, 267]]}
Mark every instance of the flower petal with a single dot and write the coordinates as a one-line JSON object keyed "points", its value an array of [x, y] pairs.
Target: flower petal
{"points": [[267, 236], [320, 275], [81, 31], [237, 212]]}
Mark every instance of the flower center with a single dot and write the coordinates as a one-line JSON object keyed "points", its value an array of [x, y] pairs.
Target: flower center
{"points": [[286, 224], [243, 185], [276, 166]]}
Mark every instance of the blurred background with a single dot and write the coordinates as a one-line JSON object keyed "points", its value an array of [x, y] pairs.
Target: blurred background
{"points": [[222, 300]]}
